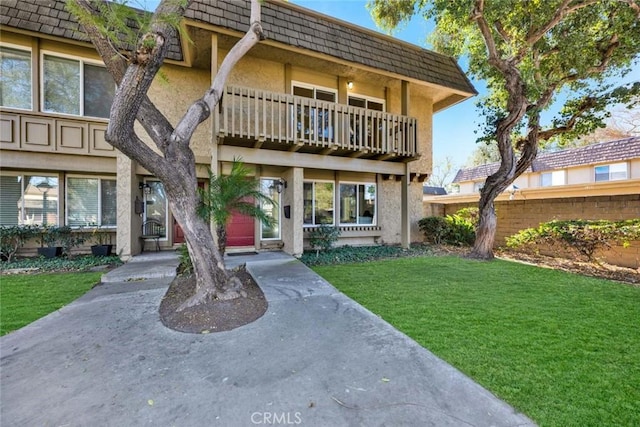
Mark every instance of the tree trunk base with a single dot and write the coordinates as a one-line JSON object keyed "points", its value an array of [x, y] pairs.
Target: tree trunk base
{"points": [[479, 256], [232, 290]]}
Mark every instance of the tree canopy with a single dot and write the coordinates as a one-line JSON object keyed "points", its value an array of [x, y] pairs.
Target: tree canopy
{"points": [[531, 54]]}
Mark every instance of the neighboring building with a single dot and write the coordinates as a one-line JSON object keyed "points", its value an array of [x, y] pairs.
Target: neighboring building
{"points": [[334, 119], [606, 168], [600, 181]]}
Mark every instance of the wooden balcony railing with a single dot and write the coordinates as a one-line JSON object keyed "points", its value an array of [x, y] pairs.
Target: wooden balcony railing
{"points": [[286, 122]]}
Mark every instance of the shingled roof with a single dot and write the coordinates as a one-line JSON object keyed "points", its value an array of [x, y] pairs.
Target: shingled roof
{"points": [[604, 152], [283, 23]]}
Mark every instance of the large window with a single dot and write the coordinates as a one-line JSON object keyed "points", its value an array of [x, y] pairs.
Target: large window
{"points": [[270, 231], [15, 84], [548, 179], [28, 200], [318, 203], [357, 203], [91, 202], [315, 122], [612, 172], [72, 86]]}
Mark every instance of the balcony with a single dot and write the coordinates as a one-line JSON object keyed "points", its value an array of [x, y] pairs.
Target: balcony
{"points": [[261, 119]]}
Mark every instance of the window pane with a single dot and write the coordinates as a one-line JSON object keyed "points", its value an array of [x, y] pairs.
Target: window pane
{"points": [[61, 85], [82, 202], [10, 200], [15, 84], [156, 203], [602, 173], [324, 203], [618, 171], [270, 231], [323, 95], [99, 90], [367, 203], [40, 200], [348, 206], [357, 102], [108, 199], [378, 106], [545, 180], [303, 91], [307, 191]]}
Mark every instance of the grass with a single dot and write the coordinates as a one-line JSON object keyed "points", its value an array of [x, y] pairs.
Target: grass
{"points": [[25, 298], [562, 348]]}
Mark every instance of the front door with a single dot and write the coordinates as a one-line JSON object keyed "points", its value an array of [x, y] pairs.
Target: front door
{"points": [[240, 230]]}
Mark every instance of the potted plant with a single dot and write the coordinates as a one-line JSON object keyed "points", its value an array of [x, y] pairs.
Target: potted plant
{"points": [[48, 237], [102, 238]]}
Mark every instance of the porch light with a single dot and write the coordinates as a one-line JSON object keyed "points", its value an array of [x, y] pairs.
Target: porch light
{"points": [[146, 188], [280, 185], [512, 191], [349, 85]]}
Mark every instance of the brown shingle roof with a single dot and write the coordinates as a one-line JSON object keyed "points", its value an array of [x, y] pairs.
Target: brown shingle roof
{"points": [[612, 151], [283, 23]]}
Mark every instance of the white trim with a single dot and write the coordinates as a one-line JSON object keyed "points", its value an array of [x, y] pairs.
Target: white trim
{"points": [[100, 178], [30, 50], [81, 62], [313, 202], [369, 98], [279, 208], [314, 87], [374, 220], [166, 208]]}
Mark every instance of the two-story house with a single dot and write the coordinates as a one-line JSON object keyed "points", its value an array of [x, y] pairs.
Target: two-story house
{"points": [[335, 120]]}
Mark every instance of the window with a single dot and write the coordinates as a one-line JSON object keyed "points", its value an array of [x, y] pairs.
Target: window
{"points": [[28, 200], [548, 179], [314, 122], [612, 172], [368, 103], [91, 202], [270, 231], [318, 203], [72, 86], [478, 186], [357, 203], [155, 201], [15, 84]]}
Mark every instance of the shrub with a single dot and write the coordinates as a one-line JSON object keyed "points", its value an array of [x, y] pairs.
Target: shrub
{"points": [[323, 237], [13, 238], [185, 267], [581, 236], [457, 229], [350, 254], [69, 239]]}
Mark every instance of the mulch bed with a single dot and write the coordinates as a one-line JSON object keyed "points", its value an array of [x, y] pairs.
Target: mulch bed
{"points": [[213, 315]]}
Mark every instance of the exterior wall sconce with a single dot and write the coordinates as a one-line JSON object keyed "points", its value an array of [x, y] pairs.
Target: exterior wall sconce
{"points": [[146, 188], [280, 185], [512, 191], [349, 85]]}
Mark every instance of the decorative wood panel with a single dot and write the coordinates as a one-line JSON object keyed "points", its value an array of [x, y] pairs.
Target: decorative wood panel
{"points": [[36, 134], [98, 145], [9, 131], [72, 137]]}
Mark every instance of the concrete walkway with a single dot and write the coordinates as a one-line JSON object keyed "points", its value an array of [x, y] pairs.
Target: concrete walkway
{"points": [[316, 358]]}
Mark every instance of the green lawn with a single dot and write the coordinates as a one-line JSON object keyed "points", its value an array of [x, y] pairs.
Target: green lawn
{"points": [[562, 348], [28, 297]]}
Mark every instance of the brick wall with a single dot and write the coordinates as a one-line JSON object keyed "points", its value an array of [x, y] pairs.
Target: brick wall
{"points": [[516, 215]]}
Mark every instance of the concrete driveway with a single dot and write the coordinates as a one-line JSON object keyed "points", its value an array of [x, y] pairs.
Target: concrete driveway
{"points": [[316, 358]]}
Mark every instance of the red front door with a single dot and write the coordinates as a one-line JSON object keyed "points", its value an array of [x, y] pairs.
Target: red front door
{"points": [[240, 230]]}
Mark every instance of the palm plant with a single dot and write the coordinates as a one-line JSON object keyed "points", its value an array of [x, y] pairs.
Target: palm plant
{"points": [[236, 192]]}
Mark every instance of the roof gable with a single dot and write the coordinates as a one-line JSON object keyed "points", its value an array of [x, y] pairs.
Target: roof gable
{"points": [[283, 23]]}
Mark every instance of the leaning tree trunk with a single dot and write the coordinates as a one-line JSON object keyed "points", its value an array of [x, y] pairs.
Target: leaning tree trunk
{"points": [[212, 279], [221, 231], [486, 231]]}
